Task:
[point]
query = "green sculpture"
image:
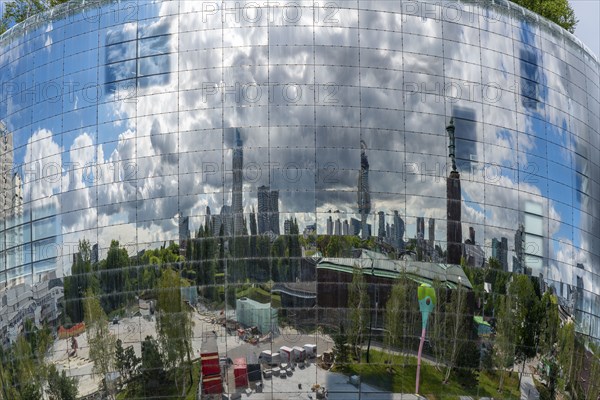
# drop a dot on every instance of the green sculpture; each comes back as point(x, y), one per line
point(426, 297)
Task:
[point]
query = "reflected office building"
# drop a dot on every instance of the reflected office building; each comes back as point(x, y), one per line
point(242, 146)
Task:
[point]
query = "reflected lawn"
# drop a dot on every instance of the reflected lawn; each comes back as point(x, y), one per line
point(397, 374)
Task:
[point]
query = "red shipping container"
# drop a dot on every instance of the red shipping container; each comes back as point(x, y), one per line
point(209, 357)
point(210, 364)
point(240, 372)
point(212, 384)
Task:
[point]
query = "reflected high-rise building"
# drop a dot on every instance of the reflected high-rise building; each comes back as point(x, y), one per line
point(518, 258)
point(398, 232)
point(431, 231)
point(473, 253)
point(15, 235)
point(237, 190)
point(330, 226)
point(264, 205)
point(94, 254)
point(465, 123)
point(381, 230)
point(364, 196)
point(500, 252)
point(274, 211)
point(337, 227)
point(533, 252)
point(287, 227)
point(222, 224)
point(453, 204)
point(11, 214)
point(420, 228)
point(355, 226)
point(268, 210)
point(6, 176)
point(207, 218)
point(184, 233)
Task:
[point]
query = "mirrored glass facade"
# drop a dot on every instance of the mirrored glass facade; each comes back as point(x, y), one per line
point(247, 146)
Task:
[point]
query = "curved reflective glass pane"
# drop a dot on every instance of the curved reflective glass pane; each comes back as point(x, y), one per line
point(216, 183)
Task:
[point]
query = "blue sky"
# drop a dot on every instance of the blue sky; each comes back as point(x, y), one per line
point(588, 29)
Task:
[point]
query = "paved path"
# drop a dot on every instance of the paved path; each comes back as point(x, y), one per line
point(337, 385)
point(528, 390)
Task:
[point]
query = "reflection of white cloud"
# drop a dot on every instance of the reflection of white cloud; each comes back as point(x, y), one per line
point(81, 154)
point(43, 165)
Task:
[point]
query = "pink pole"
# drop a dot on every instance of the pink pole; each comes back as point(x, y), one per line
point(419, 359)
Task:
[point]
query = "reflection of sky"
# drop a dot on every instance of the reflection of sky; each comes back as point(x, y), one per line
point(307, 149)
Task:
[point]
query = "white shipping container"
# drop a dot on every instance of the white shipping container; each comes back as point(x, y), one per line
point(265, 356)
point(299, 353)
point(311, 350)
point(275, 358)
point(285, 353)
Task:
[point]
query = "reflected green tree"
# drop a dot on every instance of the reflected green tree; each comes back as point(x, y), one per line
point(78, 283)
point(396, 315)
point(114, 276)
point(152, 367)
point(504, 345)
point(358, 304)
point(60, 386)
point(174, 327)
point(101, 343)
point(458, 322)
point(526, 318)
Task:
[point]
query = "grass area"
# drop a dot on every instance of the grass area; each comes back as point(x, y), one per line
point(261, 295)
point(166, 391)
point(399, 377)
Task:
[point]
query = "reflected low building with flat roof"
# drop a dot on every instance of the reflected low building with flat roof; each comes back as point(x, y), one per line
point(231, 142)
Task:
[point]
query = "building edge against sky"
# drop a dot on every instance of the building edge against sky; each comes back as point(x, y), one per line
point(146, 124)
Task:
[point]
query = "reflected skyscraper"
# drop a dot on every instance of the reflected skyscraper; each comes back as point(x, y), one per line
point(381, 230)
point(184, 233)
point(519, 250)
point(268, 210)
point(398, 232)
point(420, 228)
point(6, 165)
point(500, 251)
point(222, 224)
point(364, 197)
point(11, 214)
point(264, 205)
point(287, 227)
point(274, 211)
point(453, 204)
point(464, 120)
point(207, 218)
point(237, 190)
point(355, 226)
point(431, 232)
point(473, 253)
